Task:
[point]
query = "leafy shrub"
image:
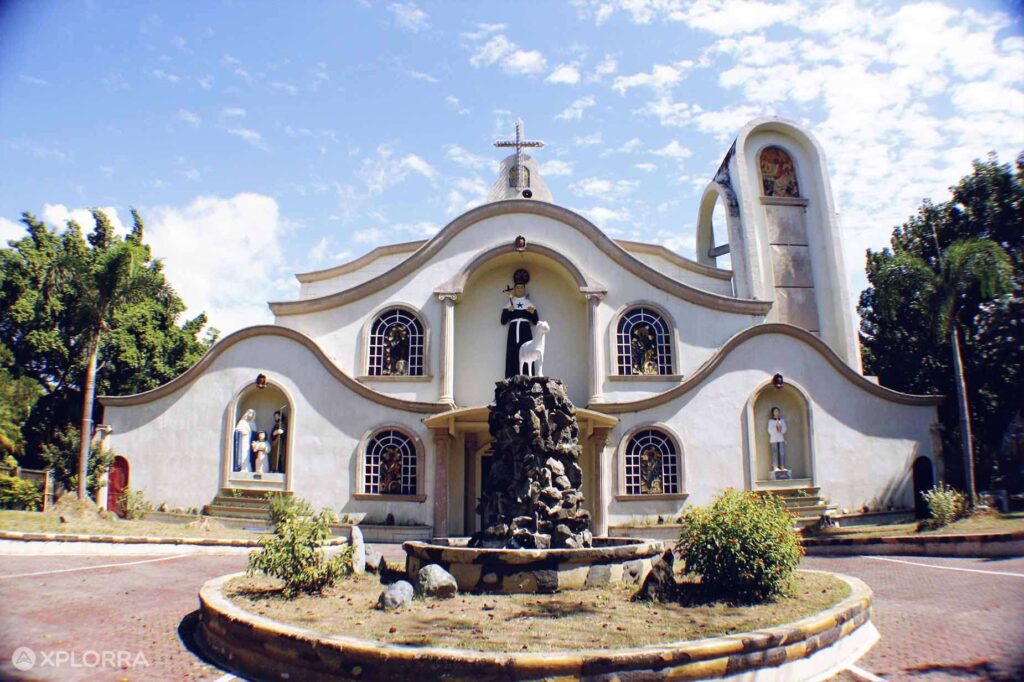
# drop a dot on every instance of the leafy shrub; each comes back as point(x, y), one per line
point(295, 553)
point(17, 493)
point(946, 504)
point(283, 506)
point(133, 504)
point(743, 546)
point(61, 457)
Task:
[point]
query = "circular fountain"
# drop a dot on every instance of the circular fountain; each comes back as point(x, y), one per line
point(536, 535)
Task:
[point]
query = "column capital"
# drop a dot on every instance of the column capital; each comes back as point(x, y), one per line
point(594, 293)
point(446, 296)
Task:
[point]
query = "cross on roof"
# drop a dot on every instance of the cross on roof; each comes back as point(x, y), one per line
point(519, 143)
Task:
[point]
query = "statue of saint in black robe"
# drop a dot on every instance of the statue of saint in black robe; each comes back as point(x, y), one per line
point(520, 315)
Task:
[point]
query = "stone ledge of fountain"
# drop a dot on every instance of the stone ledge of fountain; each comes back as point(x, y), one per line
point(516, 571)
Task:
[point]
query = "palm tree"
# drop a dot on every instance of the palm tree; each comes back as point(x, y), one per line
point(116, 273)
point(967, 268)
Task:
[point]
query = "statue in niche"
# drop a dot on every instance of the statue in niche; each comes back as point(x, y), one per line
point(278, 442)
point(650, 471)
point(778, 176)
point(390, 475)
point(519, 315)
point(243, 438)
point(777, 440)
point(260, 447)
point(643, 344)
point(396, 351)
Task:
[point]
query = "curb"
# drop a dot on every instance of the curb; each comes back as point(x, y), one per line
point(139, 539)
point(972, 545)
point(812, 647)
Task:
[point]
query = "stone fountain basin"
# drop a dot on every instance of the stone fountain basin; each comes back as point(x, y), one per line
point(516, 571)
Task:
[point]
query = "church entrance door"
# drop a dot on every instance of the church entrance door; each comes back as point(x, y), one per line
point(117, 481)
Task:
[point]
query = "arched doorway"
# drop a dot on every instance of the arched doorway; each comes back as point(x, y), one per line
point(271, 413)
point(924, 480)
point(795, 411)
point(117, 481)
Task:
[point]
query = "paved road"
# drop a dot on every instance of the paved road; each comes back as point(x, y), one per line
point(936, 623)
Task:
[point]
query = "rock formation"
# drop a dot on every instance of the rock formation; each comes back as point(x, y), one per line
point(531, 498)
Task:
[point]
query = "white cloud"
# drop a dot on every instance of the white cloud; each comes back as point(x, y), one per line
point(661, 77)
point(32, 80)
point(205, 82)
point(673, 150)
point(318, 252)
point(207, 249)
point(601, 188)
point(988, 97)
point(468, 159)
point(409, 17)
point(527, 62)
point(286, 87)
point(556, 167)
point(587, 140)
point(58, 215)
point(601, 214)
point(454, 102)
point(466, 193)
point(646, 167)
point(160, 74)
point(383, 171)
point(420, 76)
point(10, 230)
point(189, 117)
point(568, 74)
point(606, 67)
point(721, 17)
point(499, 49)
point(574, 111)
point(191, 174)
point(369, 235)
point(250, 137)
point(232, 112)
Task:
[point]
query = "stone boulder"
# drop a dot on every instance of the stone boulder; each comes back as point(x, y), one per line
point(373, 561)
point(395, 596)
point(660, 584)
point(435, 582)
point(358, 550)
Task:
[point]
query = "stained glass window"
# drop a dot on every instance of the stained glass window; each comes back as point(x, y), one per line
point(396, 344)
point(389, 467)
point(652, 464)
point(512, 177)
point(778, 176)
point(643, 343)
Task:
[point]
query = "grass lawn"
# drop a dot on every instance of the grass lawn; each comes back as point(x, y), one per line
point(46, 522)
point(980, 523)
point(603, 618)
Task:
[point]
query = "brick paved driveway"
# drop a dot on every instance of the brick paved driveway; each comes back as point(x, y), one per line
point(936, 624)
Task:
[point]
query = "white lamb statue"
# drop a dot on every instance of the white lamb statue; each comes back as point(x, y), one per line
point(532, 352)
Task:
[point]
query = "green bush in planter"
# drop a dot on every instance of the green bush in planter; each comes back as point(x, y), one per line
point(295, 553)
point(743, 546)
point(17, 493)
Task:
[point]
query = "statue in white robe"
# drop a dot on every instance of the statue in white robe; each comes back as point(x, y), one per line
point(243, 438)
point(260, 448)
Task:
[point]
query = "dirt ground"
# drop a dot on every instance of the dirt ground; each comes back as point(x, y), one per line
point(603, 618)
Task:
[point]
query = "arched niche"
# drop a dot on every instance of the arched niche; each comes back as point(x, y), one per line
point(713, 226)
point(796, 411)
point(480, 338)
point(264, 402)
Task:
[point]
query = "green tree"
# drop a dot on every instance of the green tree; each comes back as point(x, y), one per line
point(943, 310)
point(72, 306)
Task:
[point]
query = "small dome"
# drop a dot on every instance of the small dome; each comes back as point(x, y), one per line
point(505, 186)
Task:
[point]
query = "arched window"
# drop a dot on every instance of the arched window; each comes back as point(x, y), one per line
point(778, 176)
point(651, 464)
point(644, 343)
point(512, 177)
point(389, 464)
point(396, 344)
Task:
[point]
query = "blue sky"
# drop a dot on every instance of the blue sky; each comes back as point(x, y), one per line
point(308, 133)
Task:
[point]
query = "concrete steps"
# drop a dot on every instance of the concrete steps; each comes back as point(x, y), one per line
point(802, 500)
point(239, 503)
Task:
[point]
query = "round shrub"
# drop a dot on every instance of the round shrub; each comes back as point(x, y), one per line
point(16, 493)
point(743, 546)
point(946, 505)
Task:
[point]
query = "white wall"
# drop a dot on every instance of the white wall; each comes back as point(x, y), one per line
point(178, 452)
point(863, 445)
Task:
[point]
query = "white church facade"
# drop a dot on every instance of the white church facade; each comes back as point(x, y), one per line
point(381, 371)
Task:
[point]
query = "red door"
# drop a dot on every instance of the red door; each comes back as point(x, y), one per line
point(117, 481)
